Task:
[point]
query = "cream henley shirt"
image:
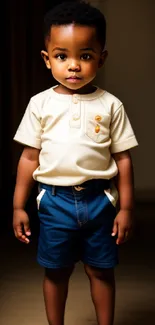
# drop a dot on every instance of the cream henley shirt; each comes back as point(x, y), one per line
point(76, 135)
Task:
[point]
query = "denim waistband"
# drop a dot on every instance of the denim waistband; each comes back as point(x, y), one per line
point(91, 185)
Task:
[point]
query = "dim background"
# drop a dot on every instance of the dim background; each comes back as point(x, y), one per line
point(129, 73)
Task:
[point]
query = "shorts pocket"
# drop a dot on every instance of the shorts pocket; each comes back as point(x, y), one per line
point(112, 196)
point(40, 197)
point(97, 127)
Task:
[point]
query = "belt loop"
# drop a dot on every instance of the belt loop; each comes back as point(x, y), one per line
point(53, 190)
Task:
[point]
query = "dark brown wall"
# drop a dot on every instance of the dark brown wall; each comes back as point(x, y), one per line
point(129, 73)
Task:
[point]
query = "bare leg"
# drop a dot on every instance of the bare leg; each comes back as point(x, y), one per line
point(102, 284)
point(55, 289)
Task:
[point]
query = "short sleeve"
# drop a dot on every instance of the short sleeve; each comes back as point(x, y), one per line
point(122, 135)
point(29, 131)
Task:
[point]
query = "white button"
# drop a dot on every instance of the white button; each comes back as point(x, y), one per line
point(76, 117)
point(75, 100)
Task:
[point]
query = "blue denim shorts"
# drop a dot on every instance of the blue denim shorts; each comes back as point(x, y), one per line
point(76, 224)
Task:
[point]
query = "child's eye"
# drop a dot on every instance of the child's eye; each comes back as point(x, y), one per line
point(61, 57)
point(86, 56)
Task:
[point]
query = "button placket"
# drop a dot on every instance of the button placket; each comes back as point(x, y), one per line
point(75, 118)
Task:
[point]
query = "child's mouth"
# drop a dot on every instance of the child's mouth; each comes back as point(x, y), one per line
point(73, 79)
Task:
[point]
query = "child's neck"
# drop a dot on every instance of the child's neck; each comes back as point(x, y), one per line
point(88, 89)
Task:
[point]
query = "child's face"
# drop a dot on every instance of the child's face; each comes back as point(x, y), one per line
point(74, 55)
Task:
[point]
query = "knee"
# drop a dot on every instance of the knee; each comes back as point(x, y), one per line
point(58, 275)
point(106, 275)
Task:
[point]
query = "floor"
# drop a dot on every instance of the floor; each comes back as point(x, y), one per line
point(21, 301)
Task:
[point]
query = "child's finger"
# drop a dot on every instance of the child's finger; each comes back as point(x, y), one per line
point(19, 231)
point(19, 234)
point(121, 236)
point(127, 235)
point(24, 239)
point(115, 229)
point(27, 229)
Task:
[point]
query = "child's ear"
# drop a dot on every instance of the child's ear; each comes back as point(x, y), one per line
point(103, 57)
point(45, 57)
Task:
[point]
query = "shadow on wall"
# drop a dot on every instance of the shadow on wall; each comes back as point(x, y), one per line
point(138, 317)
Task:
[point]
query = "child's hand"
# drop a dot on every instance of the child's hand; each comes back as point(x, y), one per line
point(123, 225)
point(21, 225)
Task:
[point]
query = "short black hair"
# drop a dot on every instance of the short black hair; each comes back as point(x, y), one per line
point(76, 12)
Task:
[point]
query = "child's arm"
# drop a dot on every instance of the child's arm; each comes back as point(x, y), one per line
point(123, 222)
point(28, 162)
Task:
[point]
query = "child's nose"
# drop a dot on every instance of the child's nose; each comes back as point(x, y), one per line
point(74, 66)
